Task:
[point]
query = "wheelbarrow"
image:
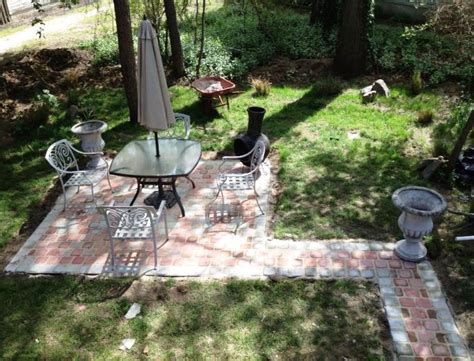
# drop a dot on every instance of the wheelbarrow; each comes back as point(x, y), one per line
point(212, 88)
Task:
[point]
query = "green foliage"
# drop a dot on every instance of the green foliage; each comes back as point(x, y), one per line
point(104, 50)
point(46, 99)
point(217, 59)
point(446, 133)
point(416, 82)
point(437, 57)
point(72, 97)
point(237, 43)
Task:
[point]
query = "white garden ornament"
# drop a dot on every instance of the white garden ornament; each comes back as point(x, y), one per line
point(419, 205)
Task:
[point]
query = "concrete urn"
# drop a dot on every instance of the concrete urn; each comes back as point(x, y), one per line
point(418, 205)
point(90, 133)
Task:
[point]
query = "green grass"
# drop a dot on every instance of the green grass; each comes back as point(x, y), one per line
point(68, 318)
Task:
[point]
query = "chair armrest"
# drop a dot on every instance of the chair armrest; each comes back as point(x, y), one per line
point(72, 171)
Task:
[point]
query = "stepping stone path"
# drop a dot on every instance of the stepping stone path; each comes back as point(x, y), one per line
point(75, 241)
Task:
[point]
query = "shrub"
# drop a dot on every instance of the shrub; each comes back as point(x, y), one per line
point(72, 97)
point(104, 50)
point(261, 85)
point(416, 82)
point(46, 99)
point(437, 57)
point(446, 133)
point(425, 117)
point(217, 60)
point(326, 87)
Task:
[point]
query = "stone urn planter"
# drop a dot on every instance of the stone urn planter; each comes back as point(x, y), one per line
point(418, 205)
point(90, 133)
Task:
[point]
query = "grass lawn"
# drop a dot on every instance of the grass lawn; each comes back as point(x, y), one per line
point(71, 318)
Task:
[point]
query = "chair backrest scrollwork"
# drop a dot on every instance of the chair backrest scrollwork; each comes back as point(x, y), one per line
point(61, 156)
point(129, 222)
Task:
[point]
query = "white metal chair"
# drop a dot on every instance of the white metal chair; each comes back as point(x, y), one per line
point(61, 156)
point(179, 132)
point(180, 129)
point(134, 223)
point(244, 180)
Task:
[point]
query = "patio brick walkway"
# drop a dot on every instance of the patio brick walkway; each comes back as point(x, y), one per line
point(75, 241)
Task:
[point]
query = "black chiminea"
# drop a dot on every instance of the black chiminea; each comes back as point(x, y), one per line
point(245, 142)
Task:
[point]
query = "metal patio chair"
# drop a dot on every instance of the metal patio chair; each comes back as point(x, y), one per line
point(61, 156)
point(244, 180)
point(179, 132)
point(134, 223)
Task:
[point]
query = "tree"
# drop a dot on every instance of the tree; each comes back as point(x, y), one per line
point(201, 50)
point(127, 55)
point(4, 12)
point(175, 41)
point(315, 11)
point(353, 41)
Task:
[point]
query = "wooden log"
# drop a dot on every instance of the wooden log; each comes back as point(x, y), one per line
point(460, 142)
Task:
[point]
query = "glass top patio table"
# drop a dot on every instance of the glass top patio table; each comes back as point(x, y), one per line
point(178, 158)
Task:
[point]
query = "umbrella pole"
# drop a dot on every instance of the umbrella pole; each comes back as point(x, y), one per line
point(157, 147)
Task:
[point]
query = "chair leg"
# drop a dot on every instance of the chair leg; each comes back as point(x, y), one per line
point(256, 198)
point(64, 194)
point(112, 253)
point(108, 180)
point(93, 195)
point(192, 182)
point(155, 253)
point(78, 189)
point(166, 223)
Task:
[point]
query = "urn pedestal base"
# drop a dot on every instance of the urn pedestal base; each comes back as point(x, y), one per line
point(410, 251)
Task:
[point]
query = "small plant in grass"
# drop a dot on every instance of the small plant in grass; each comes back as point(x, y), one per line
point(416, 82)
point(327, 87)
point(86, 114)
point(261, 85)
point(425, 117)
point(72, 97)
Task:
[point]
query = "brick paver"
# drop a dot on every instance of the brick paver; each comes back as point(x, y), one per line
point(75, 241)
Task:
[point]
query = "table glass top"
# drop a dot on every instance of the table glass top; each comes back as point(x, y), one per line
point(178, 157)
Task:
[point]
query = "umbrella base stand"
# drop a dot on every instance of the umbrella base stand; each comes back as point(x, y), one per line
point(171, 196)
point(155, 199)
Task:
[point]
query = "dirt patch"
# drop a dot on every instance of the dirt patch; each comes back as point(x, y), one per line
point(26, 74)
point(293, 72)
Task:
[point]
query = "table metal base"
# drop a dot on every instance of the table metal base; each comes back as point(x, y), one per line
point(162, 194)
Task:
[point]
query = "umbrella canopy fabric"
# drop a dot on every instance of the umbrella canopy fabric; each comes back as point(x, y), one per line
point(154, 106)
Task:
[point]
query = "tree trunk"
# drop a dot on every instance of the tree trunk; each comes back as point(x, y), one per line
point(175, 41)
point(315, 16)
point(127, 56)
point(351, 52)
point(4, 12)
point(201, 50)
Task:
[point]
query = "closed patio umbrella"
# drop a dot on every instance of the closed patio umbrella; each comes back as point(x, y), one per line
point(154, 106)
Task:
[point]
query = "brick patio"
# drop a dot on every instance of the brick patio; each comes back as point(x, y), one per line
point(75, 241)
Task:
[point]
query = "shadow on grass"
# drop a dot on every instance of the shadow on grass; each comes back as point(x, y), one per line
point(280, 124)
point(38, 322)
point(288, 320)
